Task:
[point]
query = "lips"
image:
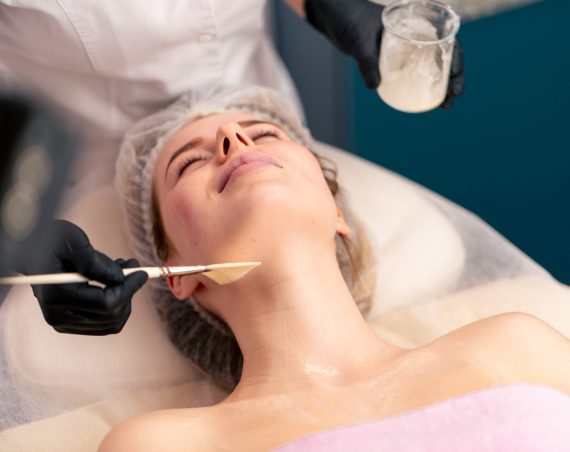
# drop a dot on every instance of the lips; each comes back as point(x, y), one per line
point(243, 159)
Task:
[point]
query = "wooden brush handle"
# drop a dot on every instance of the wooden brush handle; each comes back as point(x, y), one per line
point(67, 278)
point(56, 278)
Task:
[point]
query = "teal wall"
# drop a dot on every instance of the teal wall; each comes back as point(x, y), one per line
point(503, 150)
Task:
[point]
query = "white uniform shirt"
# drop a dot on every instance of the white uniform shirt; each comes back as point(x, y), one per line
point(112, 62)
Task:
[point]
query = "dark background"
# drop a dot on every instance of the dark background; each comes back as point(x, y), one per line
point(502, 151)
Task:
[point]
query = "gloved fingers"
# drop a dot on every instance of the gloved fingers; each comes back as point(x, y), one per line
point(97, 300)
point(455, 87)
point(64, 316)
point(456, 75)
point(447, 103)
point(74, 249)
point(88, 298)
point(89, 331)
point(129, 263)
point(77, 296)
point(354, 27)
point(81, 317)
point(98, 266)
point(74, 322)
point(132, 283)
point(370, 72)
point(110, 328)
point(367, 54)
point(456, 59)
point(116, 296)
point(456, 84)
point(91, 299)
point(68, 236)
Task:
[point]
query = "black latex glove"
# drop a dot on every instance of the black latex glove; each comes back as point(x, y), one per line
point(355, 28)
point(82, 308)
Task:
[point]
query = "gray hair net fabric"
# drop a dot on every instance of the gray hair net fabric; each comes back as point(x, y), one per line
point(199, 335)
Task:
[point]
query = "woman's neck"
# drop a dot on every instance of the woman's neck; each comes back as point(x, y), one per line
point(298, 325)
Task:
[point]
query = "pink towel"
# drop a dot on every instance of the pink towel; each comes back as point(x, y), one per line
point(511, 418)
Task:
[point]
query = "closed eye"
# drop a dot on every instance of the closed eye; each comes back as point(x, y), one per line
point(184, 164)
point(264, 133)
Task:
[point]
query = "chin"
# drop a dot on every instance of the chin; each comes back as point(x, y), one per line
point(263, 194)
point(272, 204)
point(278, 211)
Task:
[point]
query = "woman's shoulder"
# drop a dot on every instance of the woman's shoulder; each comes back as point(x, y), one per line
point(508, 325)
point(522, 345)
point(504, 323)
point(513, 327)
point(161, 430)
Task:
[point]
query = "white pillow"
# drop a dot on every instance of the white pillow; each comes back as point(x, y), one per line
point(420, 254)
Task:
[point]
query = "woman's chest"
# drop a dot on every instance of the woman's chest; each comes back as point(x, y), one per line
point(414, 384)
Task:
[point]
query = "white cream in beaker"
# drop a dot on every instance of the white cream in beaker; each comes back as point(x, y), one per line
point(415, 55)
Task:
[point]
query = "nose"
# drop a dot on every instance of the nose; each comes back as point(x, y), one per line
point(231, 138)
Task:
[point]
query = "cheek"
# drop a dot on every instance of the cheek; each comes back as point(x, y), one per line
point(183, 216)
point(312, 193)
point(314, 173)
point(181, 212)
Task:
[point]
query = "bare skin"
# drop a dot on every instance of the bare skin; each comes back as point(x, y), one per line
point(456, 364)
point(310, 360)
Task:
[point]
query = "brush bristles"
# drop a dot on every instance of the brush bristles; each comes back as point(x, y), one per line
point(228, 273)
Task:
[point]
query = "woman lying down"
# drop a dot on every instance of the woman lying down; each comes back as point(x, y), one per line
point(230, 177)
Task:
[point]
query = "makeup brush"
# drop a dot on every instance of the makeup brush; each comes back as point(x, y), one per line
point(220, 273)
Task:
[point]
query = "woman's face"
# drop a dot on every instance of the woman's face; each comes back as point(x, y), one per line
point(230, 187)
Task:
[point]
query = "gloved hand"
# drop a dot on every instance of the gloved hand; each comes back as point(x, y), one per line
point(355, 28)
point(82, 308)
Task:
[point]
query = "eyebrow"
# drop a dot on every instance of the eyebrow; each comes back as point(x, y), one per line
point(197, 141)
point(186, 147)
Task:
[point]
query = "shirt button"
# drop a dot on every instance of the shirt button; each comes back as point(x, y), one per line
point(204, 38)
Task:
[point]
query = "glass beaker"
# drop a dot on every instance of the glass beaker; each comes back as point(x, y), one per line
point(415, 54)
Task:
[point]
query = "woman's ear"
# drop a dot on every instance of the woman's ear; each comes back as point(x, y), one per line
point(342, 227)
point(182, 286)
